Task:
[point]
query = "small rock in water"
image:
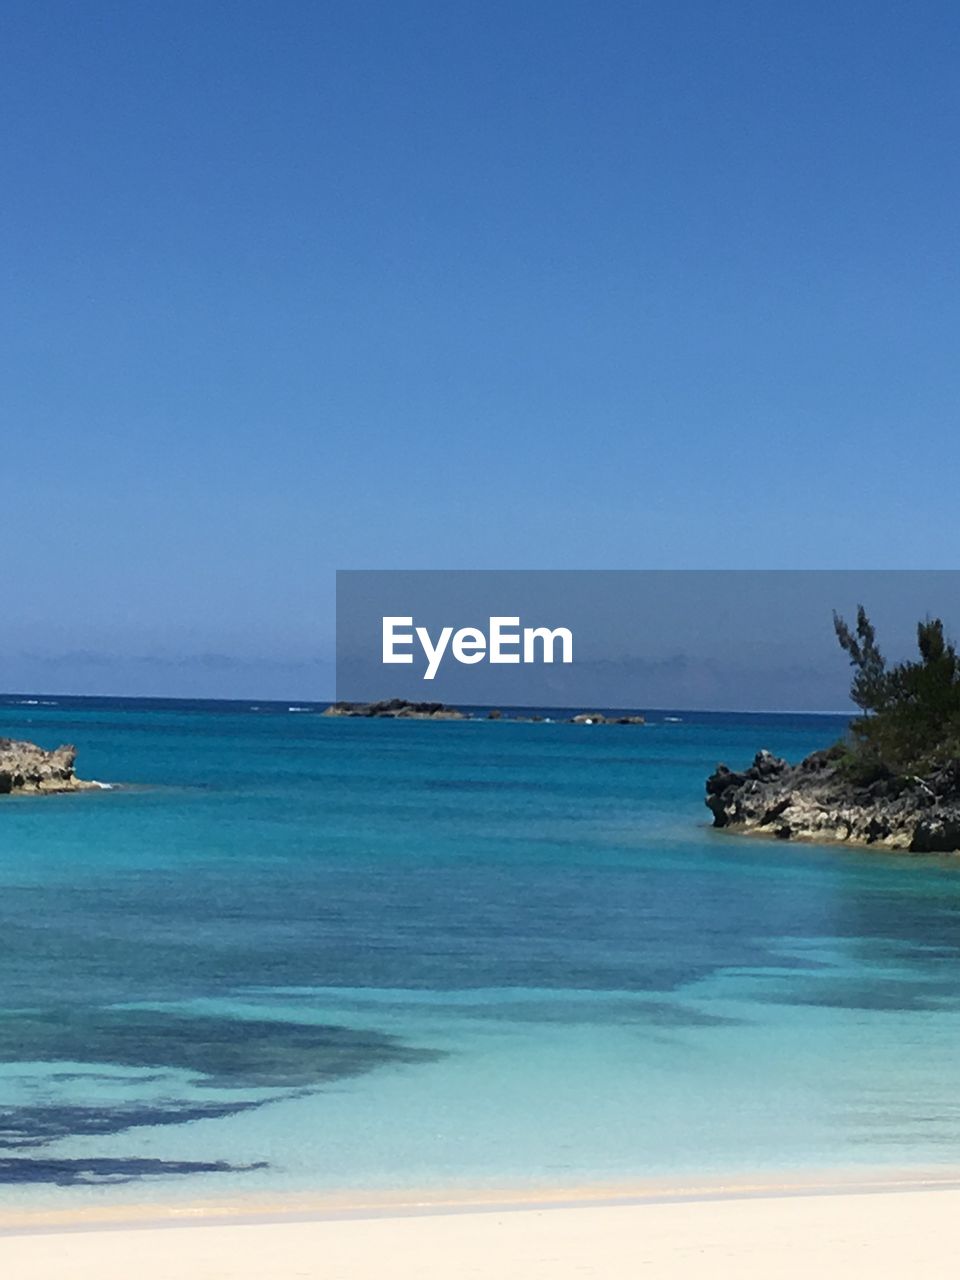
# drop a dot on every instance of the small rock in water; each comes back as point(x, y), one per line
point(25, 767)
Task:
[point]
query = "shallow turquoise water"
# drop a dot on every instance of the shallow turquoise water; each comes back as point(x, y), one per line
point(300, 953)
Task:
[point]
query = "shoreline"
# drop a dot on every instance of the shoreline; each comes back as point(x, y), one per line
point(741, 830)
point(355, 1204)
point(887, 1234)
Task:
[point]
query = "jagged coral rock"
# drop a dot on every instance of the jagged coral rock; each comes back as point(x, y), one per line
point(818, 800)
point(25, 767)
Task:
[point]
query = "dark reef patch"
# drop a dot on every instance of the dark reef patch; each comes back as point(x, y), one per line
point(637, 1013)
point(270, 1059)
point(227, 1052)
point(881, 993)
point(25, 1127)
point(99, 1170)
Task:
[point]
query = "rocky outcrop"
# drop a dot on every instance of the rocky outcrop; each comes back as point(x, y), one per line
point(25, 767)
point(817, 800)
point(401, 709)
point(396, 709)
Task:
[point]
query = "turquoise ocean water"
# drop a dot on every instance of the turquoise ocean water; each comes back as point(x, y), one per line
point(294, 954)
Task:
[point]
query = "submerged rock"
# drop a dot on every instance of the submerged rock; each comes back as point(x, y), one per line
point(25, 767)
point(819, 800)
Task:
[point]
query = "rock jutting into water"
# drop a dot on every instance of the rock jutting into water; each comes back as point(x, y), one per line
point(819, 800)
point(25, 768)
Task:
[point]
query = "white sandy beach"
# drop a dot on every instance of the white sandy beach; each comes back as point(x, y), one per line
point(886, 1235)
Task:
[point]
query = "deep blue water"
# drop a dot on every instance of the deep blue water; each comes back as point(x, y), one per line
point(298, 952)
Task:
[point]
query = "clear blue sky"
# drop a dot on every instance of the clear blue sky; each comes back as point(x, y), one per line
point(286, 287)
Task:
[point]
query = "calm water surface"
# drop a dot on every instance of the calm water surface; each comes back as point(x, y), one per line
point(297, 953)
